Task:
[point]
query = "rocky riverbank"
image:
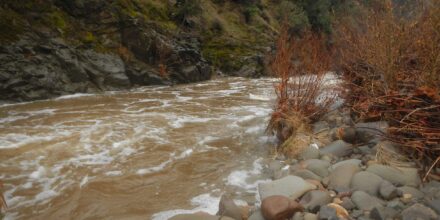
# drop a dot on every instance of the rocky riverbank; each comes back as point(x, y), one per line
point(341, 175)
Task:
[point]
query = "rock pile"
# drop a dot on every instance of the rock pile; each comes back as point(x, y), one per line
point(343, 181)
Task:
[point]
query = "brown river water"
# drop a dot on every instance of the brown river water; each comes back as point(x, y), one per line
point(148, 153)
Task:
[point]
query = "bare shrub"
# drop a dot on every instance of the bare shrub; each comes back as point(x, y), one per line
point(300, 63)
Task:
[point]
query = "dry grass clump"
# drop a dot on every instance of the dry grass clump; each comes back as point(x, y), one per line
point(300, 63)
point(392, 62)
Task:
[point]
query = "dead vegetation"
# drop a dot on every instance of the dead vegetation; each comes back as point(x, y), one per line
point(300, 63)
point(392, 65)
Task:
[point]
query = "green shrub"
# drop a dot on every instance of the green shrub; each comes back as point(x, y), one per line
point(293, 15)
point(11, 25)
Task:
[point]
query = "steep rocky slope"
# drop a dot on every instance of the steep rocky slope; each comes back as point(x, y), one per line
point(55, 47)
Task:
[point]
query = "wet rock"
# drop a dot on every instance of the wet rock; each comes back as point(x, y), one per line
point(387, 190)
point(279, 207)
point(306, 174)
point(397, 176)
point(227, 207)
point(310, 152)
point(418, 211)
point(256, 215)
point(319, 167)
point(416, 194)
point(289, 186)
point(327, 213)
point(342, 175)
point(198, 216)
point(349, 161)
point(364, 201)
point(338, 148)
point(382, 213)
point(314, 199)
point(367, 182)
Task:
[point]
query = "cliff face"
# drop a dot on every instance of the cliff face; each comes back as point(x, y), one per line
point(55, 47)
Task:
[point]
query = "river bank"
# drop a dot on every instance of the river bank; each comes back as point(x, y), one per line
point(341, 173)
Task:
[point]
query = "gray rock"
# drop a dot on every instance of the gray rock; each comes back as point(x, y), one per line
point(396, 204)
point(387, 190)
point(298, 216)
point(367, 182)
point(309, 152)
point(347, 203)
point(416, 194)
point(338, 148)
point(256, 215)
point(356, 213)
point(320, 126)
point(227, 207)
point(431, 189)
point(198, 216)
point(310, 216)
point(306, 174)
point(327, 213)
point(434, 204)
point(314, 199)
point(319, 167)
point(342, 175)
point(418, 211)
point(349, 161)
point(370, 131)
point(364, 201)
point(289, 186)
point(398, 176)
point(382, 213)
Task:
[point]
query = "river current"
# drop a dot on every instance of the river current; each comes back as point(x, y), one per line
point(148, 153)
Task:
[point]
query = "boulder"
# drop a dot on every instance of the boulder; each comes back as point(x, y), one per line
point(341, 177)
point(306, 174)
point(416, 194)
point(397, 176)
point(364, 201)
point(310, 216)
point(370, 131)
point(279, 207)
point(289, 186)
point(338, 148)
point(256, 215)
point(310, 152)
point(367, 182)
point(314, 199)
point(319, 167)
point(434, 204)
point(387, 190)
point(349, 161)
point(383, 213)
point(327, 213)
point(418, 211)
point(227, 207)
point(198, 216)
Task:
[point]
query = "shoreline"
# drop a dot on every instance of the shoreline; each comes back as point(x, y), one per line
point(345, 178)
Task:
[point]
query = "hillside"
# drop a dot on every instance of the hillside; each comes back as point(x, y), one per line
point(51, 48)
